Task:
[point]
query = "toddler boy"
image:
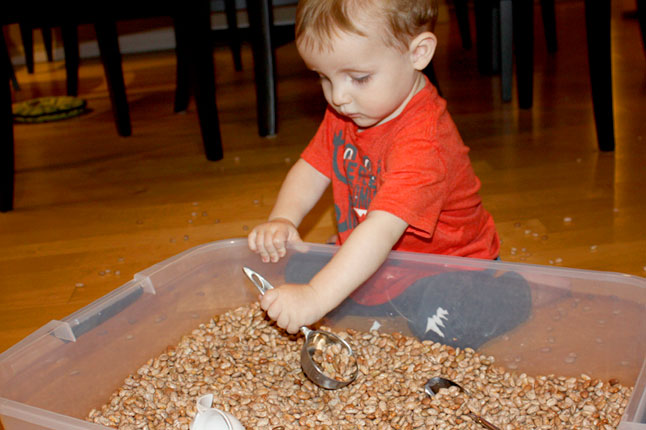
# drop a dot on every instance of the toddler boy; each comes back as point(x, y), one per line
point(400, 173)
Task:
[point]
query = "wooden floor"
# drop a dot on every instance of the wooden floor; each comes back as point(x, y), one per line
point(92, 209)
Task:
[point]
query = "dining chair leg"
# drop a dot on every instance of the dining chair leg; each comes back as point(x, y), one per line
point(108, 39)
point(523, 29)
point(597, 23)
point(484, 35)
point(46, 31)
point(462, 15)
point(506, 49)
point(194, 24)
point(641, 16)
point(69, 33)
point(182, 69)
point(6, 135)
point(260, 23)
point(232, 33)
point(548, 14)
point(495, 37)
point(27, 36)
point(5, 62)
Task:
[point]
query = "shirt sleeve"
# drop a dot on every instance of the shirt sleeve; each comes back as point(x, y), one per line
point(319, 151)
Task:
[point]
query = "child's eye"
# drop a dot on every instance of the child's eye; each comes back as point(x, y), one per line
point(360, 79)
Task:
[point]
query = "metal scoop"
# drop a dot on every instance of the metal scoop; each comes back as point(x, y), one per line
point(436, 384)
point(314, 340)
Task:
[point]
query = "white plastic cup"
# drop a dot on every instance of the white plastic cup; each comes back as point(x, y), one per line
point(208, 418)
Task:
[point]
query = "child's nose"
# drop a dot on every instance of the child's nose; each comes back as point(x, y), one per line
point(340, 96)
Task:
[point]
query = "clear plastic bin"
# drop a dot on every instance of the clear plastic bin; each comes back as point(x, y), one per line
point(580, 322)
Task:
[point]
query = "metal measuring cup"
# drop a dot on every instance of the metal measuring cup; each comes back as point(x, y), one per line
point(314, 340)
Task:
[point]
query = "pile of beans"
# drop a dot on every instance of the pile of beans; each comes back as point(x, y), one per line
point(253, 370)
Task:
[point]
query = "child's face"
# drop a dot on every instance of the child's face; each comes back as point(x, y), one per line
point(363, 78)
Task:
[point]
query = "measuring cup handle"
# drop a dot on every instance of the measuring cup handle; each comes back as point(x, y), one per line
point(306, 331)
point(258, 280)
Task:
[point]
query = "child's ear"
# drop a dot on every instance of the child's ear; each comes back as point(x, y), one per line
point(422, 48)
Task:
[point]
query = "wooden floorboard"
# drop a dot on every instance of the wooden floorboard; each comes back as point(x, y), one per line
point(92, 209)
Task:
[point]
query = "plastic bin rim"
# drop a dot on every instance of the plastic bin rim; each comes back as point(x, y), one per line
point(448, 260)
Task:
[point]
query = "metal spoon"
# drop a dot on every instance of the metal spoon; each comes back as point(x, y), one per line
point(436, 383)
point(314, 339)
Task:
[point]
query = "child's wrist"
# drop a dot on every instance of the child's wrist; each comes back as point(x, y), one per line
point(324, 298)
point(283, 220)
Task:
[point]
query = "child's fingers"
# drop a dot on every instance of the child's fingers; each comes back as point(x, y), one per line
point(270, 244)
point(283, 321)
point(268, 299)
point(251, 240)
point(292, 328)
point(280, 250)
point(259, 245)
point(280, 242)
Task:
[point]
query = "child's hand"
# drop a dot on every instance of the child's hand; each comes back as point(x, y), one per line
point(293, 306)
point(269, 239)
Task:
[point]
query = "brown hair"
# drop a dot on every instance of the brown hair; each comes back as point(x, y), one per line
point(319, 21)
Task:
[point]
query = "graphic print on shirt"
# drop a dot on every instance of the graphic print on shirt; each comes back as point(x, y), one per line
point(357, 172)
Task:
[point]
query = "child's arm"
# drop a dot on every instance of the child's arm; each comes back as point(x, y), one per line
point(295, 305)
point(300, 191)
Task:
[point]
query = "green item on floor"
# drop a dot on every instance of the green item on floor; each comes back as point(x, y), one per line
point(45, 109)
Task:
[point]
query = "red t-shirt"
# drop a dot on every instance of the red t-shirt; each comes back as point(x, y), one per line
point(415, 167)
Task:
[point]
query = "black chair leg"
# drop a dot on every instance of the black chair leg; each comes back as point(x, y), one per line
point(182, 73)
point(6, 133)
point(462, 15)
point(46, 31)
point(193, 30)
point(5, 62)
point(26, 33)
point(641, 15)
point(523, 13)
point(72, 57)
point(506, 49)
point(549, 24)
point(484, 35)
point(232, 33)
point(260, 23)
point(495, 37)
point(106, 34)
point(597, 22)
